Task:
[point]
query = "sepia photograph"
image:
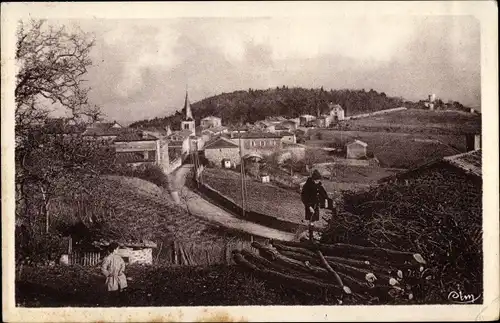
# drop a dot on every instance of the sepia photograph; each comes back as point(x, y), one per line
point(244, 156)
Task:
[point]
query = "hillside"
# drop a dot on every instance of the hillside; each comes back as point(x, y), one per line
point(254, 105)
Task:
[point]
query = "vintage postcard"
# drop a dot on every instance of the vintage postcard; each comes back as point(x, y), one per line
point(250, 161)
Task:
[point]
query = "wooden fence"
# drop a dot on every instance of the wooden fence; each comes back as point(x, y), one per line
point(175, 254)
point(196, 254)
point(85, 258)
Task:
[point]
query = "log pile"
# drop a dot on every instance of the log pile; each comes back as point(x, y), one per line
point(351, 273)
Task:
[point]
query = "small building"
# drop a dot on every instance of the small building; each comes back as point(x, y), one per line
point(226, 163)
point(473, 141)
point(92, 253)
point(288, 138)
point(221, 150)
point(323, 121)
point(266, 126)
point(180, 139)
point(290, 125)
point(337, 113)
point(264, 178)
point(211, 122)
point(134, 252)
point(305, 119)
point(105, 134)
point(138, 148)
point(356, 149)
point(262, 143)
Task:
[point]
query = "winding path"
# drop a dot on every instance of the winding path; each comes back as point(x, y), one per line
point(200, 207)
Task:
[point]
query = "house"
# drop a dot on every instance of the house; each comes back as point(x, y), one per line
point(266, 126)
point(105, 133)
point(356, 149)
point(275, 119)
point(221, 151)
point(181, 140)
point(260, 143)
point(337, 113)
point(139, 148)
point(211, 122)
point(106, 125)
point(323, 121)
point(214, 131)
point(288, 138)
point(305, 119)
point(290, 125)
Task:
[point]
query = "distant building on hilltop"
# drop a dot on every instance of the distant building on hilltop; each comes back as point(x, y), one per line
point(336, 113)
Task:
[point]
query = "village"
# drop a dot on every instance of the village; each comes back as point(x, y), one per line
point(180, 187)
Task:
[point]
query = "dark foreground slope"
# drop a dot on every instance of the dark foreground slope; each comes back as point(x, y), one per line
point(154, 286)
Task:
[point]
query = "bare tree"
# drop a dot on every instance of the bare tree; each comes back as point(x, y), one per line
point(52, 62)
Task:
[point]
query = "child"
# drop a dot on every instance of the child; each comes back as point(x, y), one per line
point(113, 268)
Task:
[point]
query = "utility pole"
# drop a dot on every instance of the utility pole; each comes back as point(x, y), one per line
point(242, 174)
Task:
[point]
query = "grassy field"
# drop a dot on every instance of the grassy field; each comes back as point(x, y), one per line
point(394, 150)
point(414, 120)
point(262, 198)
point(142, 207)
point(153, 286)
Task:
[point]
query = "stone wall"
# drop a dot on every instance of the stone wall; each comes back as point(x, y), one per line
point(137, 256)
point(216, 155)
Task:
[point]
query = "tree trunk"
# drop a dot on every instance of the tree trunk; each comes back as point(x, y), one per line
point(45, 208)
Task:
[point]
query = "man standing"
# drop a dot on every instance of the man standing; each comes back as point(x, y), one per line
point(313, 196)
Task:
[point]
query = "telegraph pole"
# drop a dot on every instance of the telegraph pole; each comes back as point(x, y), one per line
point(242, 176)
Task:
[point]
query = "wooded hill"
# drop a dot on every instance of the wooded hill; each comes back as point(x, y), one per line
point(253, 105)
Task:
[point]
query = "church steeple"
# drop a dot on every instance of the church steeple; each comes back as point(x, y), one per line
point(187, 108)
point(188, 123)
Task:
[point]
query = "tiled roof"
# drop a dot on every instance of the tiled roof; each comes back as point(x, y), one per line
point(93, 131)
point(288, 145)
point(469, 162)
point(221, 143)
point(135, 136)
point(287, 134)
point(211, 118)
point(175, 143)
point(359, 142)
point(181, 133)
point(256, 135)
point(135, 157)
point(215, 129)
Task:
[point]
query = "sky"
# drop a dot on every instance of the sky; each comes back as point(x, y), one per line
point(143, 67)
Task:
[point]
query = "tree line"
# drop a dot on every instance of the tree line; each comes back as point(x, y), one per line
point(240, 107)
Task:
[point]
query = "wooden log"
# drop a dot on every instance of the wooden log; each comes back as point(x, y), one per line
point(274, 255)
point(275, 276)
point(278, 266)
point(310, 256)
point(341, 264)
point(359, 252)
point(330, 269)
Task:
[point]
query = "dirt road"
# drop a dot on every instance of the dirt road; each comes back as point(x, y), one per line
point(206, 210)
